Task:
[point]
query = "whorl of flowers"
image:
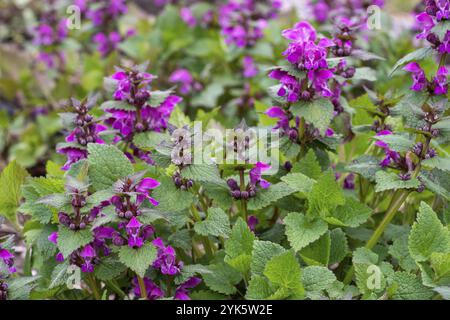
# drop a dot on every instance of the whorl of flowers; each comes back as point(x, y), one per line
point(334, 10)
point(6, 268)
point(436, 13)
point(103, 15)
point(243, 22)
point(307, 54)
point(132, 86)
point(80, 217)
point(48, 35)
point(85, 130)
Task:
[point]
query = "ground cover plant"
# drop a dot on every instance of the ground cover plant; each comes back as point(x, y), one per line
point(224, 150)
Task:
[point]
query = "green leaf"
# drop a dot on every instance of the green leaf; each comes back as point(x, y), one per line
point(365, 73)
point(298, 182)
point(202, 173)
point(391, 181)
point(138, 260)
point(428, 235)
point(316, 280)
point(437, 181)
point(318, 113)
point(59, 275)
point(309, 166)
point(339, 246)
point(107, 164)
point(325, 195)
point(318, 252)
point(410, 108)
point(438, 163)
point(265, 197)
point(20, 288)
point(301, 231)
point(69, 241)
point(284, 270)
point(117, 105)
point(170, 197)
point(11, 180)
point(399, 251)
point(216, 224)
point(158, 97)
point(352, 214)
point(366, 166)
point(410, 287)
point(259, 288)
point(366, 271)
point(222, 278)
point(417, 55)
point(396, 142)
point(440, 263)
point(263, 251)
point(108, 269)
point(239, 246)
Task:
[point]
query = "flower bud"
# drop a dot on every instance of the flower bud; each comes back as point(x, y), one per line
point(232, 184)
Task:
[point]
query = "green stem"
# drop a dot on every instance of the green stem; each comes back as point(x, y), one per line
point(243, 201)
point(94, 288)
point(397, 201)
point(142, 287)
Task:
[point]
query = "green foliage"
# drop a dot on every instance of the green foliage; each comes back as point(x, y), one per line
point(107, 164)
point(11, 180)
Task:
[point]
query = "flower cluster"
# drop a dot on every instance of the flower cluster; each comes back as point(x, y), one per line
point(436, 12)
point(255, 181)
point(133, 87)
point(103, 14)
point(405, 164)
point(243, 22)
point(167, 264)
point(7, 258)
point(89, 255)
point(185, 80)
point(307, 55)
point(48, 35)
point(437, 86)
point(86, 131)
point(326, 10)
point(188, 16)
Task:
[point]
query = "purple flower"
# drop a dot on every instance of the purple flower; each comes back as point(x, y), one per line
point(252, 222)
point(256, 173)
point(107, 44)
point(88, 254)
point(184, 77)
point(8, 259)
point(290, 86)
point(133, 229)
point(390, 155)
point(143, 189)
point(418, 75)
point(44, 35)
point(425, 22)
point(321, 11)
point(181, 293)
point(444, 47)
point(73, 156)
point(153, 291)
point(280, 114)
point(166, 260)
point(440, 81)
point(250, 69)
point(188, 17)
point(243, 22)
point(53, 237)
